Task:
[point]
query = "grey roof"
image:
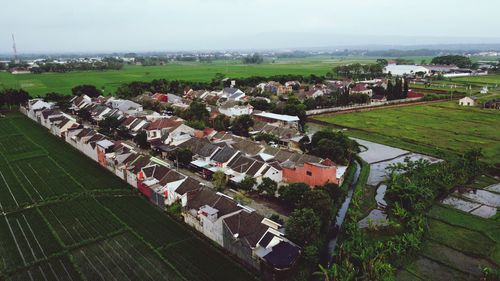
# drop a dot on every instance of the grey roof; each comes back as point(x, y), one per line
point(257, 165)
point(241, 163)
point(225, 154)
point(230, 91)
point(236, 95)
point(208, 150)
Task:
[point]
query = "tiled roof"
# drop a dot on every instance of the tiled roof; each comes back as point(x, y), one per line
point(188, 185)
point(248, 147)
point(206, 196)
point(241, 163)
point(248, 226)
point(208, 150)
point(172, 176)
point(257, 165)
point(283, 255)
point(225, 154)
point(163, 123)
point(194, 144)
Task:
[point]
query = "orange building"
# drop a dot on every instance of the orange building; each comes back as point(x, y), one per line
point(312, 174)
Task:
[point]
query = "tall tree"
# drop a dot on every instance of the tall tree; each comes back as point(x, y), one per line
point(390, 90)
point(141, 139)
point(219, 180)
point(320, 202)
point(89, 90)
point(241, 125)
point(222, 122)
point(405, 88)
point(292, 194)
point(303, 226)
point(268, 186)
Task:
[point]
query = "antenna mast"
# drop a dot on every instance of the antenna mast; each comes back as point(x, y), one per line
point(14, 47)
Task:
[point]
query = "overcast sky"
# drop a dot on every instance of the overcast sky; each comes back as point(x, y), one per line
point(167, 25)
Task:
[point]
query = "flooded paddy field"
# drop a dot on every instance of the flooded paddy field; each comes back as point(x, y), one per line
point(380, 157)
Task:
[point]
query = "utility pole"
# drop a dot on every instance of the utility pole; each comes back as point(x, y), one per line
point(14, 48)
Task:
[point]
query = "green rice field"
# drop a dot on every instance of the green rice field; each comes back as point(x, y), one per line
point(62, 217)
point(108, 81)
point(436, 128)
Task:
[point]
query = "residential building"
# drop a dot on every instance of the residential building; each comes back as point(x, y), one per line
point(467, 101)
point(313, 174)
point(233, 109)
point(277, 119)
point(362, 88)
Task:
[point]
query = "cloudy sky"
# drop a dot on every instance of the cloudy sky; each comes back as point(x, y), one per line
point(168, 25)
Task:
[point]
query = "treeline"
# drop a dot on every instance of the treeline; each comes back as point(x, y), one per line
point(332, 145)
point(397, 91)
point(136, 88)
point(412, 188)
point(13, 97)
point(104, 64)
point(361, 71)
point(253, 59)
point(151, 61)
point(460, 61)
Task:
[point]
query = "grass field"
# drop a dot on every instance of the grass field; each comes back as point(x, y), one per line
point(64, 218)
point(40, 84)
point(433, 128)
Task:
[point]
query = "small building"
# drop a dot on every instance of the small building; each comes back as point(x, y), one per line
point(313, 174)
point(278, 119)
point(362, 88)
point(467, 101)
point(401, 69)
point(232, 109)
point(233, 94)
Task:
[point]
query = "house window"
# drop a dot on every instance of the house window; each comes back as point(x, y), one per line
point(309, 173)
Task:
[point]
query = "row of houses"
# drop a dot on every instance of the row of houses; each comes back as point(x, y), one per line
point(257, 241)
point(239, 157)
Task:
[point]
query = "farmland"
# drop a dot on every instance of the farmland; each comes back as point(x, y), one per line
point(64, 218)
point(108, 81)
point(456, 247)
point(437, 129)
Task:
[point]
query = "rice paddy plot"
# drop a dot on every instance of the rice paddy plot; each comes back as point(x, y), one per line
point(79, 220)
point(151, 224)
point(87, 172)
point(57, 269)
point(121, 258)
point(6, 128)
point(44, 179)
point(12, 194)
point(25, 238)
point(198, 263)
point(439, 127)
point(108, 235)
point(18, 147)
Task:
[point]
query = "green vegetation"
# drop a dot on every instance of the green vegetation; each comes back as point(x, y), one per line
point(109, 81)
point(63, 215)
point(412, 188)
point(457, 244)
point(460, 61)
point(438, 129)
